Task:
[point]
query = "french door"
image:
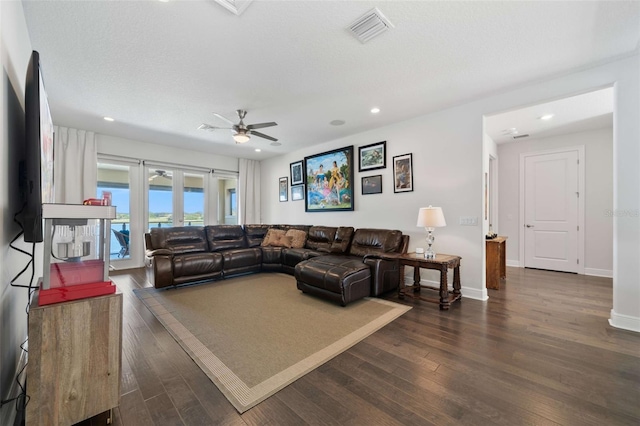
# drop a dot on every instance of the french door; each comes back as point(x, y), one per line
point(121, 177)
point(176, 196)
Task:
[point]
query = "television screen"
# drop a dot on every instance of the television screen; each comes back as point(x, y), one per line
point(38, 163)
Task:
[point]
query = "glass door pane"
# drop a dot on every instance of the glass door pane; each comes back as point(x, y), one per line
point(114, 178)
point(227, 201)
point(194, 200)
point(160, 197)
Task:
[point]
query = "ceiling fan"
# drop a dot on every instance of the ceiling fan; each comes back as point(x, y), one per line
point(160, 173)
point(242, 132)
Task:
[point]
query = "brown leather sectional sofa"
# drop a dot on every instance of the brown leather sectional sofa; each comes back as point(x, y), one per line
point(338, 263)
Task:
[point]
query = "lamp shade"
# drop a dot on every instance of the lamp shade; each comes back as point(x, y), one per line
point(431, 217)
point(241, 137)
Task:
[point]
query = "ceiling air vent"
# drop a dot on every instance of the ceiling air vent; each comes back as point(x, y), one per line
point(521, 136)
point(370, 25)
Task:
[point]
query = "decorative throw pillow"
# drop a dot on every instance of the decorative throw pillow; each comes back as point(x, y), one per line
point(273, 235)
point(282, 241)
point(298, 237)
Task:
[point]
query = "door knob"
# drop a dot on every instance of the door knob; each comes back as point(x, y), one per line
point(529, 226)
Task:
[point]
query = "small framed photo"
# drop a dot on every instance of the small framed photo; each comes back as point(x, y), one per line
point(403, 173)
point(297, 177)
point(372, 185)
point(372, 157)
point(284, 188)
point(297, 192)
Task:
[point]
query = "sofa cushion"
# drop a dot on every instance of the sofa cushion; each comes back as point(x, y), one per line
point(182, 239)
point(225, 237)
point(271, 255)
point(370, 241)
point(320, 238)
point(196, 264)
point(342, 241)
point(255, 234)
point(298, 238)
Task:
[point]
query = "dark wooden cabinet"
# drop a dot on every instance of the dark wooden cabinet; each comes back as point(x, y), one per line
point(496, 262)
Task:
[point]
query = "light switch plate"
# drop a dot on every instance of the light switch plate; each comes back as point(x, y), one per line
point(468, 221)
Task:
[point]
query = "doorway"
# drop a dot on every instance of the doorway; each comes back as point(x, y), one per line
point(584, 120)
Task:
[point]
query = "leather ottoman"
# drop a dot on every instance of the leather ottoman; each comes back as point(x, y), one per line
point(341, 279)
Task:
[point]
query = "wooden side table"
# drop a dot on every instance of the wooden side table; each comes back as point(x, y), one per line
point(441, 263)
point(496, 262)
point(75, 359)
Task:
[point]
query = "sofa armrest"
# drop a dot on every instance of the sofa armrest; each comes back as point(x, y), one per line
point(158, 252)
point(385, 272)
point(382, 256)
point(161, 271)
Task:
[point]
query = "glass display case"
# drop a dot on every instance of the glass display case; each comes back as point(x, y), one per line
point(76, 252)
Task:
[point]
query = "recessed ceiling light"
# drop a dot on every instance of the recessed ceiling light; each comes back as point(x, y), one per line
point(258, 150)
point(337, 122)
point(375, 110)
point(108, 119)
point(164, 1)
point(511, 131)
point(546, 117)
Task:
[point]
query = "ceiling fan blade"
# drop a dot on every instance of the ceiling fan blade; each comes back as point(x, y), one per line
point(223, 118)
point(261, 125)
point(262, 135)
point(209, 127)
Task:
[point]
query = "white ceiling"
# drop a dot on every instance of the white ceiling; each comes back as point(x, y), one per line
point(588, 111)
point(160, 69)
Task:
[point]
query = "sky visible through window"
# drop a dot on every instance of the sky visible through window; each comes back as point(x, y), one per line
point(161, 201)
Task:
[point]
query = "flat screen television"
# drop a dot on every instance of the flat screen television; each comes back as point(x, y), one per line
point(38, 151)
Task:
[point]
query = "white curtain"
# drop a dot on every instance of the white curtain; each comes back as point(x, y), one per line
point(249, 192)
point(75, 165)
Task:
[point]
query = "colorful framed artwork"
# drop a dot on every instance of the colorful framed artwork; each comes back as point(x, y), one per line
point(372, 157)
point(297, 192)
point(329, 178)
point(372, 185)
point(297, 177)
point(283, 187)
point(403, 173)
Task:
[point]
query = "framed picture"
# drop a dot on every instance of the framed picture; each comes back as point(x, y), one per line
point(403, 173)
point(329, 179)
point(297, 178)
point(297, 192)
point(372, 157)
point(283, 188)
point(372, 185)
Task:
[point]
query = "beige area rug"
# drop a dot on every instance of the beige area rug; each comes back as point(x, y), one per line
point(256, 334)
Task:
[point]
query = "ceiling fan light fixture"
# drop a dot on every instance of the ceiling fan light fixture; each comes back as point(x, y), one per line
point(241, 137)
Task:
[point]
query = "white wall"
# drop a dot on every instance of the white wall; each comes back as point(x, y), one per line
point(448, 170)
point(15, 49)
point(598, 193)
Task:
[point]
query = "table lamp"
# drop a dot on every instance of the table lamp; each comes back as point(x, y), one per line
point(430, 218)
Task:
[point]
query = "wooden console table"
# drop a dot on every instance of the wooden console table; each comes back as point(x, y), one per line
point(442, 263)
point(496, 262)
point(75, 356)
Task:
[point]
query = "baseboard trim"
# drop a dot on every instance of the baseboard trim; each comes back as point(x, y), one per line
point(8, 412)
point(474, 293)
point(513, 263)
point(607, 273)
point(625, 322)
point(467, 292)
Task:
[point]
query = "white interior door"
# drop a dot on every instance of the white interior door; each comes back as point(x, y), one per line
point(551, 211)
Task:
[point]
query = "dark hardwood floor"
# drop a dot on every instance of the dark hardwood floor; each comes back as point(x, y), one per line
point(540, 351)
